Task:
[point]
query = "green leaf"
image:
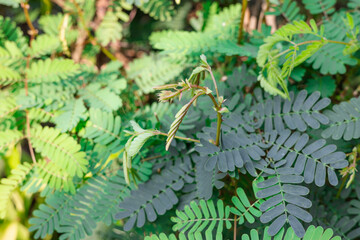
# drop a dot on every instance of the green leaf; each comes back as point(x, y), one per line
point(197, 217)
point(70, 115)
point(97, 97)
point(154, 70)
point(138, 142)
point(298, 73)
point(44, 45)
point(104, 128)
point(325, 85)
point(243, 208)
point(60, 148)
point(109, 29)
point(162, 10)
point(51, 70)
point(7, 185)
point(312, 233)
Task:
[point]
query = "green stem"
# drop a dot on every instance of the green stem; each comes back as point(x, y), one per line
point(182, 138)
point(241, 28)
point(32, 32)
point(342, 186)
point(91, 37)
point(215, 85)
point(218, 129)
point(307, 42)
point(235, 224)
point(338, 42)
point(218, 107)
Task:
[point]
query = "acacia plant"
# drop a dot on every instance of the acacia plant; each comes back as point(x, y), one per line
point(112, 128)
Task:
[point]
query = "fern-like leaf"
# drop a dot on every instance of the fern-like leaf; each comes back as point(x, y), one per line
point(162, 10)
point(70, 115)
point(312, 233)
point(97, 97)
point(153, 70)
point(313, 160)
point(297, 113)
point(319, 6)
point(243, 208)
point(55, 177)
point(10, 58)
point(344, 121)
point(9, 138)
point(60, 148)
point(156, 194)
point(52, 23)
point(225, 23)
point(10, 32)
point(74, 215)
point(109, 29)
point(7, 185)
point(44, 45)
point(104, 128)
point(289, 10)
point(221, 28)
point(236, 151)
point(271, 76)
point(196, 217)
point(51, 70)
point(284, 201)
point(8, 106)
point(330, 59)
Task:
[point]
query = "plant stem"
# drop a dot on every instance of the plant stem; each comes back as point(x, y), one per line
point(218, 107)
point(107, 53)
point(28, 136)
point(338, 42)
point(182, 138)
point(32, 32)
point(235, 224)
point(307, 42)
point(91, 37)
point(218, 129)
point(215, 85)
point(342, 186)
point(241, 28)
point(151, 158)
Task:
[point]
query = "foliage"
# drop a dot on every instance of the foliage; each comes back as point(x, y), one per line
point(175, 120)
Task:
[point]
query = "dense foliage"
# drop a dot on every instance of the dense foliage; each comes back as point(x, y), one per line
point(167, 119)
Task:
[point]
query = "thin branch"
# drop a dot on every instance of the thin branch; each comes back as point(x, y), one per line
point(32, 32)
point(218, 128)
point(241, 28)
point(324, 11)
point(182, 138)
point(28, 136)
point(338, 42)
point(235, 224)
point(91, 37)
point(218, 107)
point(151, 158)
point(215, 85)
point(307, 42)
